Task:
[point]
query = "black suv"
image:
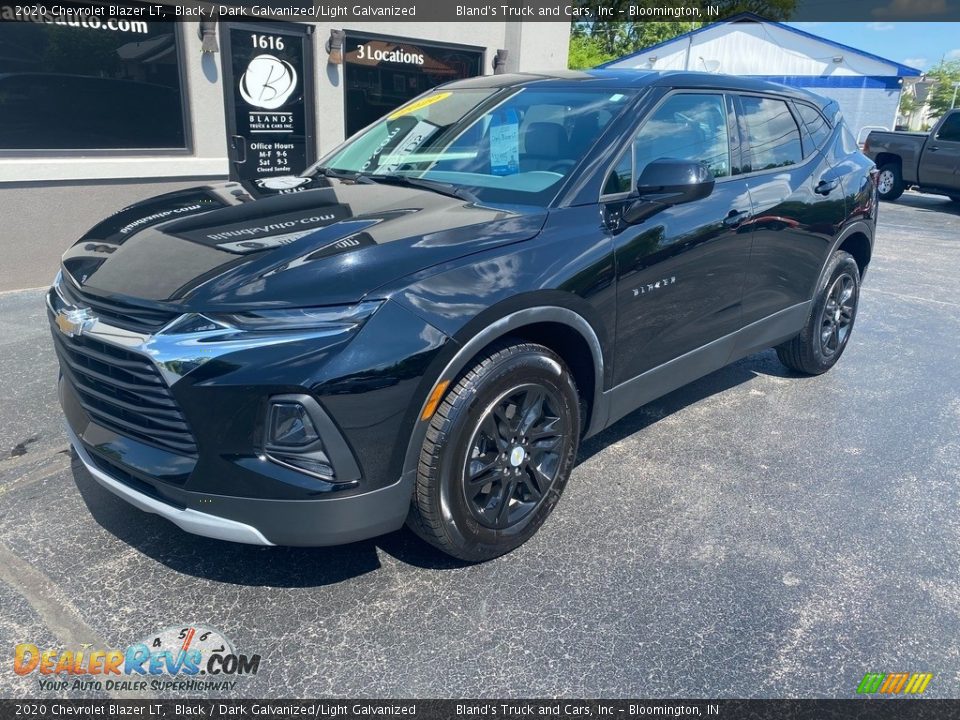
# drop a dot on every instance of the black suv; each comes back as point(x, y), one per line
point(422, 327)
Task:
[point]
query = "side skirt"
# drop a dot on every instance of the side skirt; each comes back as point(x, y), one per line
point(657, 382)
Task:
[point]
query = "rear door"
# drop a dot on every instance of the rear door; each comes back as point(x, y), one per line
point(940, 162)
point(679, 272)
point(798, 203)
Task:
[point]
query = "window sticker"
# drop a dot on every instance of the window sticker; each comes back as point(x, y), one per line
point(419, 105)
point(505, 144)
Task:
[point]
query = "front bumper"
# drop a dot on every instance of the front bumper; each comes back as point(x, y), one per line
point(255, 521)
point(224, 485)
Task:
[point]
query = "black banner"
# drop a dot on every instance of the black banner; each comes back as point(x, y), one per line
point(877, 709)
point(104, 14)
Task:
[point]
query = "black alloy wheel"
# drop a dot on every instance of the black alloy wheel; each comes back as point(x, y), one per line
point(836, 319)
point(826, 334)
point(514, 456)
point(497, 452)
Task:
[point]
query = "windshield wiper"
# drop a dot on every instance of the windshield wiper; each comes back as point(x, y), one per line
point(339, 174)
point(432, 185)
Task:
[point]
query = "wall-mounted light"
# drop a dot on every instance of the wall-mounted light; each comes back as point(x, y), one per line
point(207, 30)
point(838, 58)
point(500, 61)
point(335, 47)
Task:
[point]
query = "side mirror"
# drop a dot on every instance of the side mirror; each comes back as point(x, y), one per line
point(667, 182)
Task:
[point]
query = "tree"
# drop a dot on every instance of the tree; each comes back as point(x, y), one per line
point(608, 39)
point(908, 103)
point(946, 73)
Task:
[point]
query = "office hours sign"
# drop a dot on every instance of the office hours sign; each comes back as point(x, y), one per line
point(269, 100)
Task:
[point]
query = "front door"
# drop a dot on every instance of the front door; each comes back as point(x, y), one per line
point(940, 165)
point(268, 90)
point(680, 272)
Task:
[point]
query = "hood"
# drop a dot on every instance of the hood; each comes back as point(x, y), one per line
point(283, 242)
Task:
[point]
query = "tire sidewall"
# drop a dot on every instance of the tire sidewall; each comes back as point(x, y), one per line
point(842, 263)
point(459, 524)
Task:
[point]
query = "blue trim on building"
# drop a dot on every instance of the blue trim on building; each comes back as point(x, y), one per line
point(902, 70)
point(861, 82)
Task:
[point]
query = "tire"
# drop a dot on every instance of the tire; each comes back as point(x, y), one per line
point(458, 505)
point(813, 351)
point(890, 182)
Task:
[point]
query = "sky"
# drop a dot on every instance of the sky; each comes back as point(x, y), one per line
point(917, 44)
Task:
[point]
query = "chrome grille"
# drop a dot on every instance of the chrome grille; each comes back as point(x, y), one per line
point(123, 315)
point(123, 391)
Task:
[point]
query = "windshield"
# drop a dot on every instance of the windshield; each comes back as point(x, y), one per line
point(511, 145)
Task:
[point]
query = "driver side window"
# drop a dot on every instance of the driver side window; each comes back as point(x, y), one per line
point(687, 126)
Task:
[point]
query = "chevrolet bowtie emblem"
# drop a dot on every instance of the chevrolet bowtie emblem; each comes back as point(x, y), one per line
point(74, 321)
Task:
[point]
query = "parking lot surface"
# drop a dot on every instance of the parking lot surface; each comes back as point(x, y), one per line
point(755, 534)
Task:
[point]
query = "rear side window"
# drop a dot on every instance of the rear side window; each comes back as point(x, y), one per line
point(772, 132)
point(817, 126)
point(950, 130)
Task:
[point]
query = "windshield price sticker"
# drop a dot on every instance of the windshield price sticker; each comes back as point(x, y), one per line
point(419, 105)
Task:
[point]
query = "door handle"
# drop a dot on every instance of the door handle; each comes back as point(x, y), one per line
point(933, 148)
point(735, 218)
point(825, 187)
point(239, 145)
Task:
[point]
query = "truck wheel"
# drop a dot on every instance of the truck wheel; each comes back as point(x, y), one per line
point(824, 338)
point(497, 454)
point(890, 182)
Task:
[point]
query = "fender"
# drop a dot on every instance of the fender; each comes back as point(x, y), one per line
point(858, 226)
point(498, 329)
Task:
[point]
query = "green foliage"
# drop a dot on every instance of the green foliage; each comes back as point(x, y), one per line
point(587, 52)
point(945, 73)
point(908, 103)
point(608, 40)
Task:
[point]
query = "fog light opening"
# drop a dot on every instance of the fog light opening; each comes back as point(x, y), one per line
point(290, 425)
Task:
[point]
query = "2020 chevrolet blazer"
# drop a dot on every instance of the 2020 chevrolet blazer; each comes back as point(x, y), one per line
point(422, 327)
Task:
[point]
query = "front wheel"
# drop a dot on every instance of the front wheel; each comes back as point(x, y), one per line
point(890, 182)
point(824, 338)
point(497, 454)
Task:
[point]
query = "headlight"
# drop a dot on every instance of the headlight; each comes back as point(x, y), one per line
point(334, 317)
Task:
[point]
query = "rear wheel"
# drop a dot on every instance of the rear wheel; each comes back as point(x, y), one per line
point(890, 182)
point(821, 343)
point(497, 454)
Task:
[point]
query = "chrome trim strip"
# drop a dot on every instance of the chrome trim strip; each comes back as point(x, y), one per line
point(175, 355)
point(189, 520)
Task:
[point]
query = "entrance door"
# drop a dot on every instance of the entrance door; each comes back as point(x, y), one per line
point(382, 73)
point(269, 95)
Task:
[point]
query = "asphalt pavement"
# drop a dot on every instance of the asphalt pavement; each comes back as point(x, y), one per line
point(755, 534)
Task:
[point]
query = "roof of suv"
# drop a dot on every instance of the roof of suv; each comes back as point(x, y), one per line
point(631, 78)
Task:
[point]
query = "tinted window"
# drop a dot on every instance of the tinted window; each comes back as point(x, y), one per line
point(950, 130)
point(620, 179)
point(816, 124)
point(109, 86)
point(686, 127)
point(772, 132)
